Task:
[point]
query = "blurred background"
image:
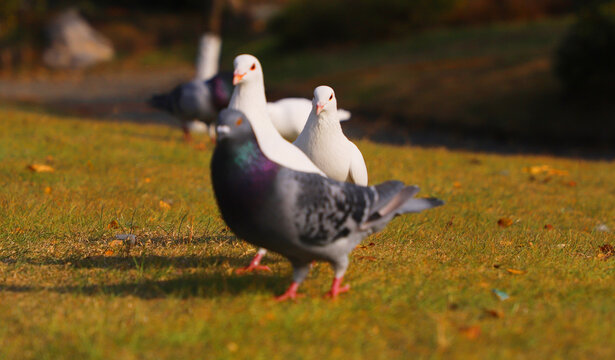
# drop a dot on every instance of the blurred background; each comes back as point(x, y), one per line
point(489, 75)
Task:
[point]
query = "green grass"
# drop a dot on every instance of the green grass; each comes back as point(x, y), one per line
point(66, 292)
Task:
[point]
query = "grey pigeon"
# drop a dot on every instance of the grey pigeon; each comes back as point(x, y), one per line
point(303, 216)
point(195, 100)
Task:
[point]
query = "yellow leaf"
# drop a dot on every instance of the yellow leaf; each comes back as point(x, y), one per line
point(109, 253)
point(40, 168)
point(470, 332)
point(116, 243)
point(516, 272)
point(48, 190)
point(147, 180)
point(164, 205)
point(232, 347)
point(505, 222)
point(113, 225)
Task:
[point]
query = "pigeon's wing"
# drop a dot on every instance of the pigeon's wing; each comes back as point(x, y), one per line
point(326, 210)
point(343, 115)
point(358, 170)
point(220, 90)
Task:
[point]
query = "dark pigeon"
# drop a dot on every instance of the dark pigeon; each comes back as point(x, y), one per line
point(302, 216)
point(195, 100)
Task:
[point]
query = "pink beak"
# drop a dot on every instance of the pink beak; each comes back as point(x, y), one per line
point(319, 109)
point(237, 78)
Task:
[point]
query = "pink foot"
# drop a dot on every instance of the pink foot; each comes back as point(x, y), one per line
point(254, 266)
point(336, 289)
point(187, 136)
point(290, 294)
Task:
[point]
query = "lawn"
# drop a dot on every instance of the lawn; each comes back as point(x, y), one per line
point(422, 288)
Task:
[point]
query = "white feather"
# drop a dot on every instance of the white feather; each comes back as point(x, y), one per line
point(324, 142)
point(249, 98)
point(289, 116)
point(208, 56)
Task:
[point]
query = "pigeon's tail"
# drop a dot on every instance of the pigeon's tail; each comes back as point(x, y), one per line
point(400, 202)
point(162, 102)
point(343, 115)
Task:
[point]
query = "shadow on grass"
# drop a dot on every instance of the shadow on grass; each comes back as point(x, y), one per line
point(147, 261)
point(199, 286)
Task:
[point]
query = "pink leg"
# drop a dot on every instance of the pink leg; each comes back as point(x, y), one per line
point(187, 136)
point(291, 293)
point(254, 265)
point(336, 289)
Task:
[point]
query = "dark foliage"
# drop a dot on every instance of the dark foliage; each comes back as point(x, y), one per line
point(585, 59)
point(318, 22)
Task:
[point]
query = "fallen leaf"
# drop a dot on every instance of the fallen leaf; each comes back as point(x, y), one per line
point(232, 347)
point(571, 183)
point(366, 246)
point(147, 180)
point(200, 146)
point(548, 227)
point(48, 190)
point(116, 243)
point(544, 169)
point(470, 332)
point(494, 313)
point(500, 294)
point(457, 184)
point(40, 168)
point(109, 253)
point(18, 231)
point(113, 225)
point(516, 272)
point(606, 250)
point(164, 205)
point(557, 172)
point(505, 222)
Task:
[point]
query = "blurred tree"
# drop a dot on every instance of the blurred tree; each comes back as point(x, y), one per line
point(584, 61)
point(318, 22)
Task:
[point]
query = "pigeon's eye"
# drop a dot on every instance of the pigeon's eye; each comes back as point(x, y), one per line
point(253, 67)
point(239, 121)
point(331, 97)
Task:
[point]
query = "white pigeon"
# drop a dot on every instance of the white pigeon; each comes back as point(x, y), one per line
point(249, 98)
point(323, 141)
point(289, 116)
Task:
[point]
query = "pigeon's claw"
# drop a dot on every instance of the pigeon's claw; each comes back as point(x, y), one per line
point(336, 289)
point(187, 136)
point(290, 294)
point(251, 268)
point(254, 266)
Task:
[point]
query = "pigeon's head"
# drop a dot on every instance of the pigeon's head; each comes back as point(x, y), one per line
point(247, 67)
point(324, 100)
point(232, 125)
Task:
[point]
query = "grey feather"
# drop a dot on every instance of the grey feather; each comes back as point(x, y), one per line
point(302, 216)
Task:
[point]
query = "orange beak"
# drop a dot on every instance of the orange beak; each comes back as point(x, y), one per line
point(319, 109)
point(237, 78)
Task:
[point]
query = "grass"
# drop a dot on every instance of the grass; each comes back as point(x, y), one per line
point(422, 290)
